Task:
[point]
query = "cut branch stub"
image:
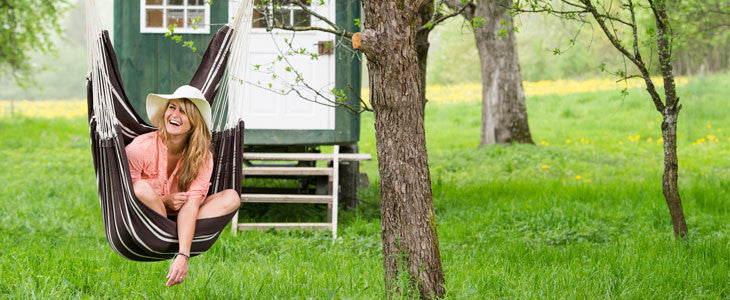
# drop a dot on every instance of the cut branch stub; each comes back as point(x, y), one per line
point(356, 40)
point(364, 41)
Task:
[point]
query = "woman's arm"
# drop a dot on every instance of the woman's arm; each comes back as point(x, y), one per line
point(186, 219)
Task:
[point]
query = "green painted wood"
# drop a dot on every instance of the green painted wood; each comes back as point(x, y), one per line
point(347, 71)
point(153, 63)
point(289, 137)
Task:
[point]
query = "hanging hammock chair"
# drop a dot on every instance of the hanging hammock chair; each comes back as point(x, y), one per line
point(134, 230)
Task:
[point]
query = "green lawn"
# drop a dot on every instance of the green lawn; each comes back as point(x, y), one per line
point(514, 221)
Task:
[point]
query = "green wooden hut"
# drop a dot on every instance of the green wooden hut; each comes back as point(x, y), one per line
point(153, 62)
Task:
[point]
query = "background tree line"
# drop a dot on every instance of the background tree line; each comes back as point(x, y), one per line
point(702, 47)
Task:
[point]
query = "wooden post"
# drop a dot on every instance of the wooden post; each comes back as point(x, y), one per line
point(335, 186)
point(234, 224)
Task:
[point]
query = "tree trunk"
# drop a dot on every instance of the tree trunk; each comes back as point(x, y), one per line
point(504, 115)
point(422, 45)
point(669, 125)
point(671, 166)
point(349, 178)
point(503, 98)
point(408, 221)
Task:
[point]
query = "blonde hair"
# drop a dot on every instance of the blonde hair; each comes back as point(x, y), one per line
point(197, 147)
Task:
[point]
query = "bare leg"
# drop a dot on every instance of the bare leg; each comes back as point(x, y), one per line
point(144, 192)
point(220, 204)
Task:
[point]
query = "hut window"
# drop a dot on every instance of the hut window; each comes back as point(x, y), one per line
point(279, 12)
point(186, 16)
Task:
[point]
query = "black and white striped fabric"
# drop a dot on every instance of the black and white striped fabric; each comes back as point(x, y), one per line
point(134, 230)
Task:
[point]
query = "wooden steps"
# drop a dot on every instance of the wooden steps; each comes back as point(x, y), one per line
point(306, 156)
point(288, 171)
point(273, 171)
point(285, 198)
point(277, 226)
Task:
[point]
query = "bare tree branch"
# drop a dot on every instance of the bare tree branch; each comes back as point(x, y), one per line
point(437, 18)
point(308, 10)
point(343, 33)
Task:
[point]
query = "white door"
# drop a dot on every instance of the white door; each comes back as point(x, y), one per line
point(273, 65)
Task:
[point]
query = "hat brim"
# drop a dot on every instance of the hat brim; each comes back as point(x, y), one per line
point(157, 102)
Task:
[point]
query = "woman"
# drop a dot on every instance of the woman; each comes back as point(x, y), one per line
point(171, 168)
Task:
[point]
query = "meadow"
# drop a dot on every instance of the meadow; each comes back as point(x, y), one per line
point(580, 214)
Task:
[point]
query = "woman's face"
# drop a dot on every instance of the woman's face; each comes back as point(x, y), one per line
point(176, 119)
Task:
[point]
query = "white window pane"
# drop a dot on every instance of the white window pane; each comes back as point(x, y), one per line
point(282, 17)
point(301, 18)
point(193, 15)
point(153, 18)
point(175, 16)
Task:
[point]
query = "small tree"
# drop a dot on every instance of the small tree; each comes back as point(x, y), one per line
point(619, 24)
point(27, 26)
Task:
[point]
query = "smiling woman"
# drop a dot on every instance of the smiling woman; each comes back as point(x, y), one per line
point(171, 168)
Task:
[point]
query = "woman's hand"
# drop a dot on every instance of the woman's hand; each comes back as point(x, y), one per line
point(175, 201)
point(178, 271)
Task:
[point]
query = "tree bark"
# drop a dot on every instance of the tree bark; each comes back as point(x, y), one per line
point(670, 112)
point(422, 45)
point(670, 187)
point(408, 221)
point(504, 115)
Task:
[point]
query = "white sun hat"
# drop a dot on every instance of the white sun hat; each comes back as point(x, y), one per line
point(156, 102)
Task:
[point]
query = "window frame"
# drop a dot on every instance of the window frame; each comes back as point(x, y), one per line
point(202, 28)
point(291, 8)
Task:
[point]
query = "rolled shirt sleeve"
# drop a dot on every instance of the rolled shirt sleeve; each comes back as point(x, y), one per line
point(201, 183)
point(138, 159)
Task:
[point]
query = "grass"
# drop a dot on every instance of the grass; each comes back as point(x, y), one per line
point(578, 219)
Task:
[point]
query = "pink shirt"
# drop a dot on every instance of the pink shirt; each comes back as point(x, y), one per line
point(147, 156)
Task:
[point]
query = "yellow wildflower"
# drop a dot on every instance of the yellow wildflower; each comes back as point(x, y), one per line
point(567, 141)
point(577, 177)
point(660, 140)
point(587, 180)
point(649, 140)
point(544, 166)
point(709, 126)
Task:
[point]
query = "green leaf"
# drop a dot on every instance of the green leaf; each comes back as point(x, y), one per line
point(477, 22)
